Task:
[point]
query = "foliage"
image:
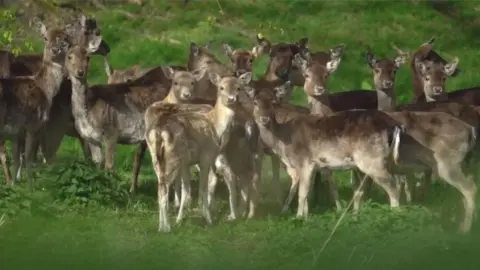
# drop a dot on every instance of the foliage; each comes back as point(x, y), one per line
point(14, 199)
point(80, 184)
point(9, 28)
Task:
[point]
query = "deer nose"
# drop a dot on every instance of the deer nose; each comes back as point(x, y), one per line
point(437, 90)
point(186, 95)
point(80, 73)
point(318, 90)
point(240, 72)
point(387, 83)
point(232, 99)
point(264, 120)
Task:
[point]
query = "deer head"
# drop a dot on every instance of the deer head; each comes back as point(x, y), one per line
point(315, 72)
point(384, 70)
point(241, 60)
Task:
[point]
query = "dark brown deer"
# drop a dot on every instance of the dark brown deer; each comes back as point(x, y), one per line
point(27, 101)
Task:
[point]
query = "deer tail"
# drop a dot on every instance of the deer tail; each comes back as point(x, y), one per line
point(397, 134)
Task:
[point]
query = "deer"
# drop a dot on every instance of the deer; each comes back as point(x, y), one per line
point(201, 58)
point(339, 141)
point(182, 140)
point(27, 100)
point(80, 32)
point(124, 102)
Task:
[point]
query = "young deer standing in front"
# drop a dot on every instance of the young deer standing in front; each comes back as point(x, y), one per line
point(179, 141)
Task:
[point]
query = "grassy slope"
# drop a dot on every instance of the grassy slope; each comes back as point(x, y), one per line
point(380, 240)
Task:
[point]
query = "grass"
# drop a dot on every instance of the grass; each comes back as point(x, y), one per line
point(46, 230)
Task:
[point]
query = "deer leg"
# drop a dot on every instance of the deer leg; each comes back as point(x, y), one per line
point(177, 185)
point(222, 166)
point(205, 176)
point(424, 187)
point(360, 188)
point(467, 187)
point(254, 184)
point(18, 147)
point(275, 162)
point(29, 143)
point(97, 156)
point(333, 188)
point(110, 149)
point(375, 167)
point(305, 180)
point(294, 175)
point(3, 159)
point(139, 154)
point(185, 197)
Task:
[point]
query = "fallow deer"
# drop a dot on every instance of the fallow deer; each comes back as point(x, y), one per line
point(182, 140)
point(340, 141)
point(113, 113)
point(27, 101)
point(82, 31)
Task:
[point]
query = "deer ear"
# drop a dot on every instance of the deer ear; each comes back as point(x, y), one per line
point(214, 78)
point(420, 67)
point(228, 50)
point(169, 72)
point(108, 68)
point(94, 44)
point(300, 62)
point(451, 67)
point(333, 64)
point(245, 78)
point(194, 49)
point(82, 21)
point(400, 60)
point(39, 26)
point(371, 60)
point(337, 51)
point(207, 46)
point(198, 74)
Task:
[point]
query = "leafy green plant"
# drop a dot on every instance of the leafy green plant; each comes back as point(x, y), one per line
point(14, 199)
point(9, 30)
point(81, 184)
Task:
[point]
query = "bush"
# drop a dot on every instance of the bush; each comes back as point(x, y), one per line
point(14, 199)
point(81, 184)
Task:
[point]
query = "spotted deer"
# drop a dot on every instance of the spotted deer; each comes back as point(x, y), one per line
point(27, 101)
point(339, 141)
point(202, 58)
point(114, 113)
point(182, 140)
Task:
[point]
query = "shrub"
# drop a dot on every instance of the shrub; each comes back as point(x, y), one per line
point(81, 184)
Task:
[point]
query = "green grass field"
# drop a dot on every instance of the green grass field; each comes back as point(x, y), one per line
point(82, 218)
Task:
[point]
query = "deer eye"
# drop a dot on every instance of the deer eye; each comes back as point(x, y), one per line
point(69, 57)
point(377, 70)
point(427, 78)
point(222, 88)
point(175, 83)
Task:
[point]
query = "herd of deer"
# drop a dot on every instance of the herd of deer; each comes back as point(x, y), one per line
point(216, 116)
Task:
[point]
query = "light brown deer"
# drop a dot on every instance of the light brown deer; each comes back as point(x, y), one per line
point(182, 140)
point(202, 58)
point(27, 101)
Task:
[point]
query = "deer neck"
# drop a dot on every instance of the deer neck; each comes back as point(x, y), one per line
point(386, 99)
point(221, 117)
point(79, 100)
point(49, 78)
point(417, 82)
point(320, 105)
point(171, 98)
